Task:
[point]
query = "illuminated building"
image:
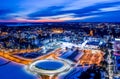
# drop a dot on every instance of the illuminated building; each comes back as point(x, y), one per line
point(49, 69)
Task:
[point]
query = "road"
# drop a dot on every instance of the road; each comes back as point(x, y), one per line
point(11, 57)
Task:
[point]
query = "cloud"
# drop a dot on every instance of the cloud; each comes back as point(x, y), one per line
point(37, 5)
point(54, 19)
point(112, 16)
point(97, 7)
point(58, 16)
point(67, 17)
point(76, 18)
point(116, 8)
point(79, 4)
point(5, 14)
point(56, 11)
point(50, 11)
point(59, 10)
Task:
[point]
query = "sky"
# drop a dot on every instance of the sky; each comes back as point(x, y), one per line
point(59, 10)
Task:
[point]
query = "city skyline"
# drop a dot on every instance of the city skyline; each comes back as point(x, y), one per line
point(60, 11)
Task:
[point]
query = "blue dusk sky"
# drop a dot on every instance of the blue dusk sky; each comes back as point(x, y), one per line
point(59, 10)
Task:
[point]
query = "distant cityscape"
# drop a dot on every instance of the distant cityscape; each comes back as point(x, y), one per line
point(62, 50)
